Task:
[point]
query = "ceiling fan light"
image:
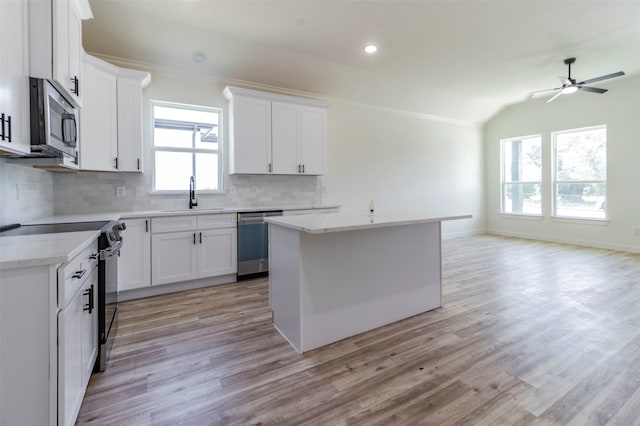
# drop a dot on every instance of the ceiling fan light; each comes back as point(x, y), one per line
point(569, 90)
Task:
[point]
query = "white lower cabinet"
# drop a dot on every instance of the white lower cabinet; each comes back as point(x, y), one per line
point(218, 253)
point(69, 360)
point(134, 263)
point(174, 257)
point(77, 345)
point(186, 248)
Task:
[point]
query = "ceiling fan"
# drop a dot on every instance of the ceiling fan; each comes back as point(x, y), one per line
point(569, 84)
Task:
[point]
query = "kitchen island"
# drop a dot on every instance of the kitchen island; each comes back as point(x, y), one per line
point(336, 275)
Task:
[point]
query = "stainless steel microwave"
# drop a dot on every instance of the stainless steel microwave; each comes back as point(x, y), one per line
point(54, 125)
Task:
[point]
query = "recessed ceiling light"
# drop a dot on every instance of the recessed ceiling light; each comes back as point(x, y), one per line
point(371, 49)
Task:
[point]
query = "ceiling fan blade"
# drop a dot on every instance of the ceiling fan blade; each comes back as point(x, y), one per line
point(537, 92)
point(603, 77)
point(555, 96)
point(592, 89)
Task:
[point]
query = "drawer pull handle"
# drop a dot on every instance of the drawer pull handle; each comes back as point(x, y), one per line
point(90, 305)
point(79, 274)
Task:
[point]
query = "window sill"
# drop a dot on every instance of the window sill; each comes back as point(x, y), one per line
point(522, 216)
point(580, 220)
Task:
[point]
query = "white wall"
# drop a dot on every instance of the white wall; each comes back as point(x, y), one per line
point(405, 161)
point(619, 109)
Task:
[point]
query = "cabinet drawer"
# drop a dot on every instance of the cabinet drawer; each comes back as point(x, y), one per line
point(173, 224)
point(214, 221)
point(74, 273)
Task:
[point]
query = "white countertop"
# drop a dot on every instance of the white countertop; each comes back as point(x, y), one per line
point(337, 222)
point(93, 217)
point(44, 249)
point(49, 249)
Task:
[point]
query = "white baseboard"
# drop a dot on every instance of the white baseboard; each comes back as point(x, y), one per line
point(576, 242)
point(157, 290)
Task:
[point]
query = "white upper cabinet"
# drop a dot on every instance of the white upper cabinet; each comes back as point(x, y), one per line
point(275, 134)
point(111, 117)
point(14, 81)
point(55, 39)
point(250, 136)
point(130, 85)
point(284, 138)
point(312, 152)
point(98, 116)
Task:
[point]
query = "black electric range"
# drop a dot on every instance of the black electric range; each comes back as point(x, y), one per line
point(54, 228)
point(109, 244)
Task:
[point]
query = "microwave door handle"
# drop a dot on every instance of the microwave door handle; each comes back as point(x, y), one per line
point(72, 138)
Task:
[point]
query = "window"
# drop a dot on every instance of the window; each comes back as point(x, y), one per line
point(186, 142)
point(521, 175)
point(580, 177)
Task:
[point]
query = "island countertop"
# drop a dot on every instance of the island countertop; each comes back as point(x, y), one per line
point(337, 222)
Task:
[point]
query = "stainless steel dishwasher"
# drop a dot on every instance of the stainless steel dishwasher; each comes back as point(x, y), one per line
point(253, 243)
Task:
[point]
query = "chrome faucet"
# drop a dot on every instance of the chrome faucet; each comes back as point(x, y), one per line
point(193, 201)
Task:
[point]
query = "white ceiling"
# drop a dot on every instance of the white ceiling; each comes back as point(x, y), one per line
point(464, 60)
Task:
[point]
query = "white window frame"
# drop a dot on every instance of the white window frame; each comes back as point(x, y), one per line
point(192, 150)
point(504, 183)
point(555, 182)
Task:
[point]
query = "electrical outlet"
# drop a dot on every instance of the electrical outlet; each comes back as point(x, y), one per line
point(121, 191)
point(138, 191)
point(254, 189)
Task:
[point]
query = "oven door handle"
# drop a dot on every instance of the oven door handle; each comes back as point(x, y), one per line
point(113, 250)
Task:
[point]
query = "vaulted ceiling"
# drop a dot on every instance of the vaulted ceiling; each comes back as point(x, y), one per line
point(464, 60)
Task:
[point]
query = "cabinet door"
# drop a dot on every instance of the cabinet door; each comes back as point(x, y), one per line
point(129, 125)
point(312, 142)
point(134, 264)
point(250, 142)
point(98, 120)
point(70, 389)
point(75, 53)
point(89, 296)
point(173, 257)
point(14, 83)
point(284, 139)
point(217, 252)
point(59, 56)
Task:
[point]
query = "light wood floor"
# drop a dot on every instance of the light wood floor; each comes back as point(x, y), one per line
point(530, 333)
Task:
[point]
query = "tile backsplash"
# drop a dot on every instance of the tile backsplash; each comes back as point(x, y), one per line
point(25, 193)
point(91, 192)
